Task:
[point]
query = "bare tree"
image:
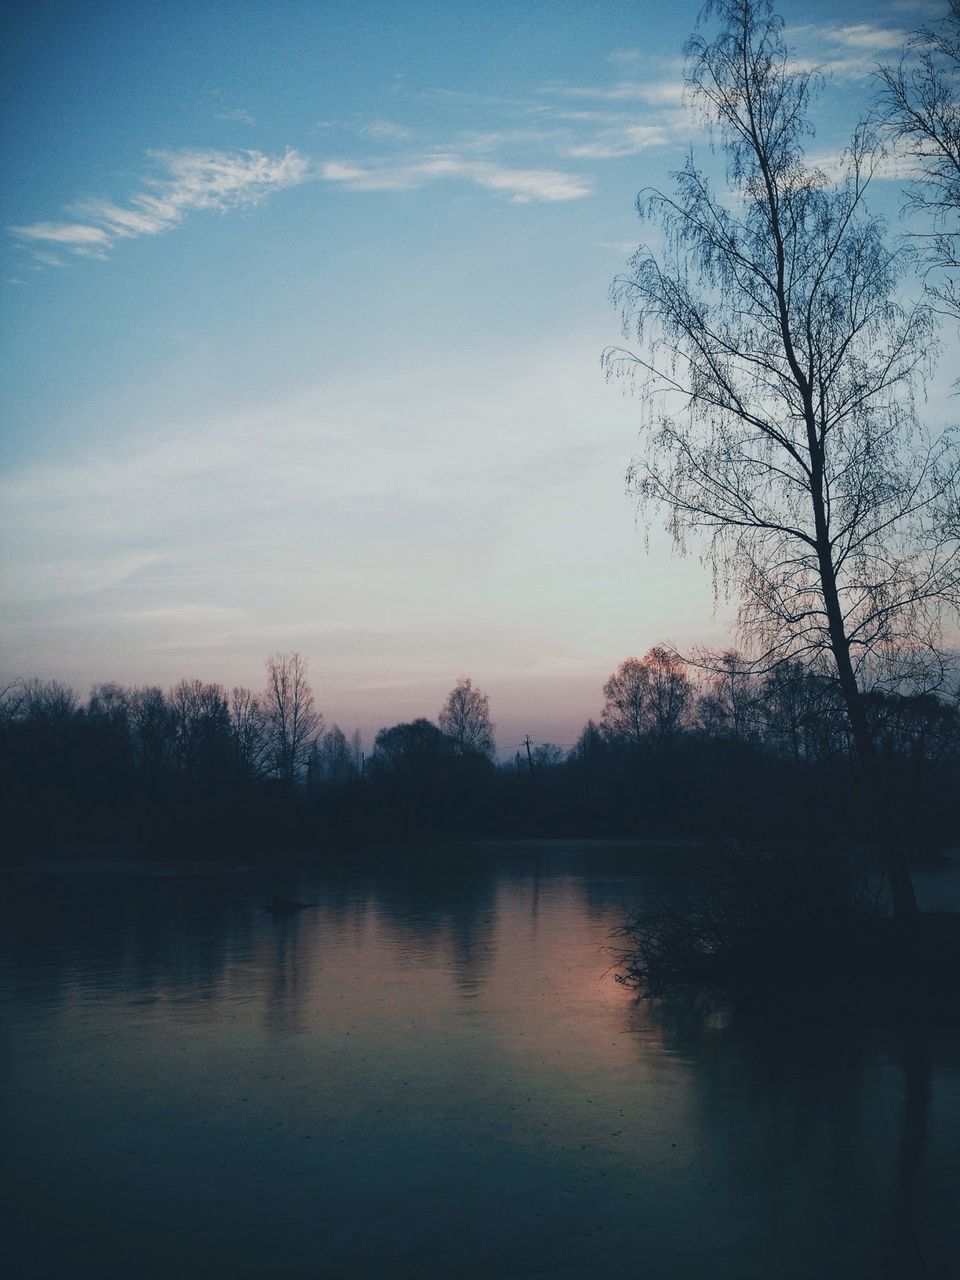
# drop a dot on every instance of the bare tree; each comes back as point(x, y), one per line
point(11, 701)
point(465, 719)
point(151, 721)
point(249, 731)
point(801, 714)
point(670, 692)
point(727, 707)
point(109, 702)
point(45, 714)
point(920, 105)
point(47, 702)
point(108, 712)
point(294, 720)
point(547, 755)
point(647, 697)
point(625, 702)
point(201, 724)
point(777, 367)
point(335, 759)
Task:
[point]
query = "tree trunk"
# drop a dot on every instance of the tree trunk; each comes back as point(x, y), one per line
point(889, 833)
point(890, 840)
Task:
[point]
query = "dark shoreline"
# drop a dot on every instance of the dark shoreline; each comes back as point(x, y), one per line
point(888, 977)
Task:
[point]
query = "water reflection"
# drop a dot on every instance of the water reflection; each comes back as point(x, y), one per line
point(432, 1071)
point(850, 1127)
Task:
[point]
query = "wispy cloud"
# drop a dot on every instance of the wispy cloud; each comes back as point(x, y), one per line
point(239, 115)
point(521, 185)
point(895, 165)
point(862, 35)
point(660, 92)
point(180, 183)
point(387, 131)
point(627, 140)
point(558, 122)
point(46, 259)
point(847, 51)
point(75, 237)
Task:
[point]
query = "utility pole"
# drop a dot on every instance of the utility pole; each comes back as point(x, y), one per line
point(526, 743)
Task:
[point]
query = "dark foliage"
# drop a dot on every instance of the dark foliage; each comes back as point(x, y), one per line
point(740, 757)
point(792, 928)
point(754, 919)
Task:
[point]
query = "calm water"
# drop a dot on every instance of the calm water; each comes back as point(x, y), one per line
point(437, 1075)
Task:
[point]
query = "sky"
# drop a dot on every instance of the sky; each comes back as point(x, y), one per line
point(301, 314)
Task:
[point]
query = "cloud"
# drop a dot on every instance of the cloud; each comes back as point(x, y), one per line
point(861, 35)
point(46, 259)
point(523, 186)
point(185, 181)
point(238, 114)
point(182, 181)
point(639, 114)
point(622, 91)
point(665, 91)
point(627, 141)
point(849, 51)
point(72, 235)
point(896, 165)
point(387, 131)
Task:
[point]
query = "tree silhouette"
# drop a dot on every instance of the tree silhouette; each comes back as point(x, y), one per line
point(670, 692)
point(647, 697)
point(335, 761)
point(625, 702)
point(250, 732)
point(777, 367)
point(920, 104)
point(415, 752)
point(294, 722)
point(465, 719)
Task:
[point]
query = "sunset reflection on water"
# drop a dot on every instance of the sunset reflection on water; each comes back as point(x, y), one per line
point(431, 1070)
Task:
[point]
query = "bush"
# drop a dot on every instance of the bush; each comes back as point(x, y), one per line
point(761, 920)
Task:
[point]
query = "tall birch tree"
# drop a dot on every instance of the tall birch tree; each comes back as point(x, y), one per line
point(777, 364)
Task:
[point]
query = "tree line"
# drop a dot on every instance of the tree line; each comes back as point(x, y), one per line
point(677, 750)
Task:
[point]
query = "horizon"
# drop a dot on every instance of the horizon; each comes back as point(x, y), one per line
point(303, 320)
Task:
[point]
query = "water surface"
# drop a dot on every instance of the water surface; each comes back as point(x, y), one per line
point(433, 1072)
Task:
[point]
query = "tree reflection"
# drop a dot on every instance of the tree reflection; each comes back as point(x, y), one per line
point(832, 1118)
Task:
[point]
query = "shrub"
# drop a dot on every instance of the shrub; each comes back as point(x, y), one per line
point(760, 920)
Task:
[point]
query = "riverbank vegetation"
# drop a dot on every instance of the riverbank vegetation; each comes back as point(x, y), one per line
point(792, 927)
point(675, 751)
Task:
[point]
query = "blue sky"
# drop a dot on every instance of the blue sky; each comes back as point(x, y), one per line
point(302, 310)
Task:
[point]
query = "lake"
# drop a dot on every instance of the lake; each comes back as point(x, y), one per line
point(431, 1071)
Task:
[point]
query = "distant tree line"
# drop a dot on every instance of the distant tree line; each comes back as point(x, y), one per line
point(677, 751)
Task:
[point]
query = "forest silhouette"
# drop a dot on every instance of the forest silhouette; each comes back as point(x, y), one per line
point(676, 752)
